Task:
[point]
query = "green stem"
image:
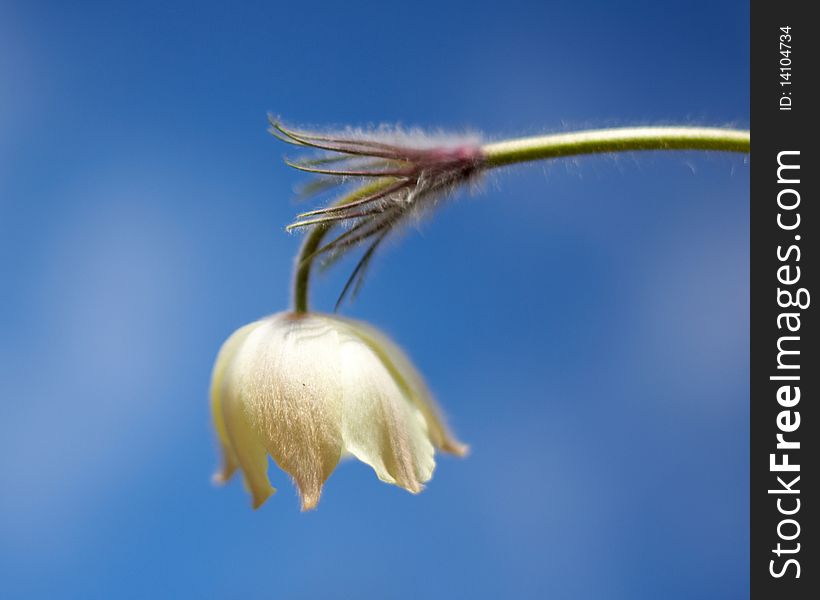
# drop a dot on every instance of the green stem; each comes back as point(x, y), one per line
point(313, 241)
point(615, 140)
point(520, 150)
point(301, 277)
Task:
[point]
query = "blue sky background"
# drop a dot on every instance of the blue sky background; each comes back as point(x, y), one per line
point(584, 323)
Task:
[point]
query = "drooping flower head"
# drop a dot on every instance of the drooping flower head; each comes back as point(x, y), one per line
point(404, 174)
point(308, 389)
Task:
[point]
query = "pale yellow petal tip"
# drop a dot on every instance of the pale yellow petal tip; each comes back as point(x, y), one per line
point(456, 448)
point(412, 484)
point(222, 476)
point(414, 487)
point(259, 498)
point(310, 501)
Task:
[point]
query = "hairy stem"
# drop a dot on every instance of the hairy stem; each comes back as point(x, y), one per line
point(625, 139)
point(509, 152)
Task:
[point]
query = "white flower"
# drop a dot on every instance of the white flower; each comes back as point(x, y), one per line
point(309, 388)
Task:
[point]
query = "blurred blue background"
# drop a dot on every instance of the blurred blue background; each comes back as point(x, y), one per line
point(584, 323)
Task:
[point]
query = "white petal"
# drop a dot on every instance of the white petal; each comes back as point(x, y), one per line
point(240, 442)
point(412, 383)
point(290, 387)
point(223, 360)
point(380, 426)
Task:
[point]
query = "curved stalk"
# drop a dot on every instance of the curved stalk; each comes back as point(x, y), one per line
point(313, 241)
point(509, 152)
point(624, 139)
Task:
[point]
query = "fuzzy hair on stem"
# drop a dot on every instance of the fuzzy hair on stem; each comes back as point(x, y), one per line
point(414, 171)
point(404, 174)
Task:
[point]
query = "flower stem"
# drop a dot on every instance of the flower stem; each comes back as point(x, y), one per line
point(624, 139)
point(313, 241)
point(509, 152)
point(301, 276)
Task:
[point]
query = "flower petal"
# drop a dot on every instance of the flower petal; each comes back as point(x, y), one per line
point(223, 359)
point(380, 426)
point(240, 442)
point(290, 386)
point(412, 384)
